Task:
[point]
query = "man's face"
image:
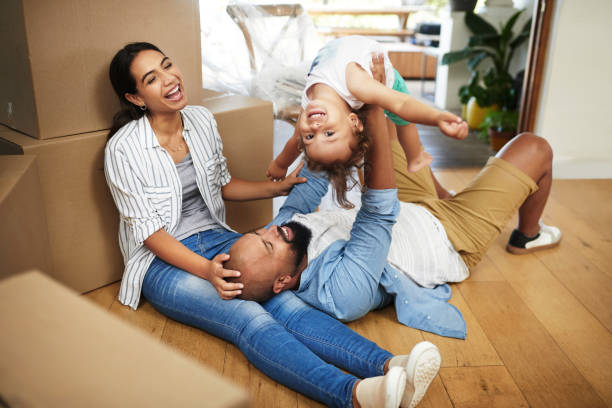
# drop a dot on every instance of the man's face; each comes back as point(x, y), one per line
point(264, 255)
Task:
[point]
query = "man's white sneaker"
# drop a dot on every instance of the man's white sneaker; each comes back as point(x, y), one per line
point(548, 237)
point(421, 366)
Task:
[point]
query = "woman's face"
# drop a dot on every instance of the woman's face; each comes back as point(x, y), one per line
point(159, 84)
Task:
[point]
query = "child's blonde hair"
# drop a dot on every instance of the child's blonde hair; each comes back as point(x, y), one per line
point(340, 174)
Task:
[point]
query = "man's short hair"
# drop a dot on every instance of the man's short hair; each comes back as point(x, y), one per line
point(252, 289)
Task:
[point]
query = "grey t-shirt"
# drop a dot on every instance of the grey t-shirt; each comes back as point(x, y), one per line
point(195, 216)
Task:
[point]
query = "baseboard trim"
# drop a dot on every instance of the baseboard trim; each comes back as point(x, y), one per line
point(585, 169)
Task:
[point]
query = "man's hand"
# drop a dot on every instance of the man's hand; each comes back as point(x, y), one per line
point(452, 125)
point(377, 66)
point(276, 172)
point(216, 275)
point(287, 184)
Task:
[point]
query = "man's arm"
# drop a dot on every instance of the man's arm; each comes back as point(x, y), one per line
point(347, 279)
point(379, 173)
point(304, 198)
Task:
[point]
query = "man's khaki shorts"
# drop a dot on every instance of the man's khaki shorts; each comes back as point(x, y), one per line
point(474, 217)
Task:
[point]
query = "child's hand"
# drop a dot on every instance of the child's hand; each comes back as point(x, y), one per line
point(276, 172)
point(452, 125)
point(377, 66)
point(287, 184)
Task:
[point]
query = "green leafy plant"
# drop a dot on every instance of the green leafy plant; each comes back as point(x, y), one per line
point(498, 47)
point(500, 121)
point(473, 88)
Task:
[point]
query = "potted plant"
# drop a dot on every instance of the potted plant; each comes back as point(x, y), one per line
point(497, 47)
point(498, 127)
point(474, 101)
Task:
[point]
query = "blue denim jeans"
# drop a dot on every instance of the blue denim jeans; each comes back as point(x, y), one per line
point(288, 340)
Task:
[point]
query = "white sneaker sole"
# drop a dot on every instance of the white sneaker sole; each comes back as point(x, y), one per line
point(422, 368)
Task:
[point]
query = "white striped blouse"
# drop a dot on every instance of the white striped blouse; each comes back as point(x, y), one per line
point(145, 185)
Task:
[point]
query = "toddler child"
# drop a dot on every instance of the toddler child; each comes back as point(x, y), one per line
point(330, 128)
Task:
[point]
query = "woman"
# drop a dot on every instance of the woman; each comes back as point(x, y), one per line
point(168, 177)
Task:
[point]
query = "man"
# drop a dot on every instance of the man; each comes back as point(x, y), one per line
point(435, 241)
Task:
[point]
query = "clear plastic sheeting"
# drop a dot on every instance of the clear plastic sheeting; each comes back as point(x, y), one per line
point(225, 58)
point(275, 64)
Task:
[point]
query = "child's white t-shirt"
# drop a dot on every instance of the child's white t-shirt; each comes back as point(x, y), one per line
point(329, 66)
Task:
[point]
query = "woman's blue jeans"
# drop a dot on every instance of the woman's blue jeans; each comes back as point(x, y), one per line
point(290, 341)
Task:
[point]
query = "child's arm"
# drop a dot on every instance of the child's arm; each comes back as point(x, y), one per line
point(278, 166)
point(368, 90)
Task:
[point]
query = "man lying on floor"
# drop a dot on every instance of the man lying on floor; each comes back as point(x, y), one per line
point(348, 262)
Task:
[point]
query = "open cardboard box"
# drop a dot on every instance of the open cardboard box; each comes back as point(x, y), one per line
point(81, 217)
point(246, 126)
point(60, 350)
point(24, 242)
point(55, 57)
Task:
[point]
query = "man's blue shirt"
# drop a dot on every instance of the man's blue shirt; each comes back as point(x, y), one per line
point(351, 278)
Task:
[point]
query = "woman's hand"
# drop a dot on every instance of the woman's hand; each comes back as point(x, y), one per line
point(216, 275)
point(452, 125)
point(377, 66)
point(276, 172)
point(292, 179)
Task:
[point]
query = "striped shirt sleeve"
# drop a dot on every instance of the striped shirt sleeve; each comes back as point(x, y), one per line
point(132, 199)
point(223, 172)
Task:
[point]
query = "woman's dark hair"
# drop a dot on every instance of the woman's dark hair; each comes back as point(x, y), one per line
point(123, 82)
point(341, 174)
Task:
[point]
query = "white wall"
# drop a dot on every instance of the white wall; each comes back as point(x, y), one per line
point(449, 78)
point(575, 111)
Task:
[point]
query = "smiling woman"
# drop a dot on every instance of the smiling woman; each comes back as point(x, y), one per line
point(166, 172)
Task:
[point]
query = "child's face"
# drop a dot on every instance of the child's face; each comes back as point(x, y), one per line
point(328, 132)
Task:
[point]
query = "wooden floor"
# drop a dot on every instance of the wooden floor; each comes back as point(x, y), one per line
point(452, 153)
point(538, 325)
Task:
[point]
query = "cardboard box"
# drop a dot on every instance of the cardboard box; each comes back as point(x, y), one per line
point(59, 350)
point(246, 126)
point(81, 217)
point(55, 57)
point(24, 243)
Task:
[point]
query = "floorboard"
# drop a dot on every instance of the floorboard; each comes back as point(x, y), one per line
point(475, 350)
point(482, 387)
point(542, 371)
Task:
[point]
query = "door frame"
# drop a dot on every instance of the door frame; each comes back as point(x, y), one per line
point(536, 61)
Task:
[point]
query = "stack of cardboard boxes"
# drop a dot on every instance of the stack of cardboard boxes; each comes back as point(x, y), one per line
point(56, 104)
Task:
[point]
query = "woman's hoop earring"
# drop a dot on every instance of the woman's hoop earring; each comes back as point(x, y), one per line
point(143, 107)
